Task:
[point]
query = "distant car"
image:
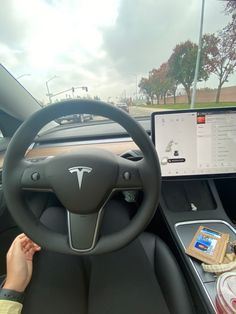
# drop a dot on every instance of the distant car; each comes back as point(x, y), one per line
point(74, 118)
point(123, 106)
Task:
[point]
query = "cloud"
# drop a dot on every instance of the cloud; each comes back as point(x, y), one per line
point(13, 26)
point(146, 31)
point(103, 44)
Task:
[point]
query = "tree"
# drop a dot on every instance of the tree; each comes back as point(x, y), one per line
point(164, 81)
point(230, 8)
point(159, 83)
point(173, 87)
point(220, 53)
point(146, 86)
point(182, 65)
point(155, 83)
point(167, 82)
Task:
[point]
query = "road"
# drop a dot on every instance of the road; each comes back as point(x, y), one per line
point(137, 111)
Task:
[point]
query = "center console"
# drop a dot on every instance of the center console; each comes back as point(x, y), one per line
point(195, 148)
point(183, 213)
point(186, 231)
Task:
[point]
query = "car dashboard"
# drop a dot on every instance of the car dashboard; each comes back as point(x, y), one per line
point(121, 147)
point(186, 203)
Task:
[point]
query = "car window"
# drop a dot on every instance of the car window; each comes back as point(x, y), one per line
point(140, 56)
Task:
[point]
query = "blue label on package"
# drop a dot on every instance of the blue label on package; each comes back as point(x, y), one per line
point(205, 244)
point(211, 232)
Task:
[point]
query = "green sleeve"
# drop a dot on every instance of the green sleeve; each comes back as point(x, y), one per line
point(10, 307)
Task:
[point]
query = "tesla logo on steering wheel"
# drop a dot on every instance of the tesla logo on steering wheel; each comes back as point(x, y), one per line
point(80, 170)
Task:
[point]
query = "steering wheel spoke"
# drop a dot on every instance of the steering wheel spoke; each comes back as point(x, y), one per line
point(34, 176)
point(129, 175)
point(84, 230)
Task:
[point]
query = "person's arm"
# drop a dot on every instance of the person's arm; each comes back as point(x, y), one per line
point(19, 272)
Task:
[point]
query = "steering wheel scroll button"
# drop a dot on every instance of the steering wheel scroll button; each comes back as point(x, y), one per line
point(35, 176)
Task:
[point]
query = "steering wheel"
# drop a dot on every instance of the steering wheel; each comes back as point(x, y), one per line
point(83, 181)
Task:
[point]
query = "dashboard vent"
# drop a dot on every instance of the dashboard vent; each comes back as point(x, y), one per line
point(133, 155)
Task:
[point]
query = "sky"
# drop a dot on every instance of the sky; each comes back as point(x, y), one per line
point(106, 45)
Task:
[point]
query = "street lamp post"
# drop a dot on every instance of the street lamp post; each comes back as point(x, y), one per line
point(198, 56)
point(47, 87)
point(22, 75)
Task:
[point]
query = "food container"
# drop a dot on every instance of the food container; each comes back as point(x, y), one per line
point(226, 293)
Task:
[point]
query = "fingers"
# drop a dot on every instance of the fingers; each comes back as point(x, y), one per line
point(25, 241)
point(29, 250)
point(25, 244)
point(20, 236)
point(29, 247)
point(30, 253)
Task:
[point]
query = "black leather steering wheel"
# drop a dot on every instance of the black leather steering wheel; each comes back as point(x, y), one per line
point(83, 181)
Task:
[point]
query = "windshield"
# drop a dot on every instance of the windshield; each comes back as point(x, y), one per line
point(140, 56)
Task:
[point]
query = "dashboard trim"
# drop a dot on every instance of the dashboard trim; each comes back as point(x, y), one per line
point(53, 150)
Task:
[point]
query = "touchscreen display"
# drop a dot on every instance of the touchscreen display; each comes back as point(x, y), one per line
point(195, 142)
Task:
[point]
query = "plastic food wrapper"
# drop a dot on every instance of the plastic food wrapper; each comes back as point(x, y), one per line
point(226, 293)
point(228, 264)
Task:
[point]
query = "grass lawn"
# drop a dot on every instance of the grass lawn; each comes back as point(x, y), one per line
point(187, 106)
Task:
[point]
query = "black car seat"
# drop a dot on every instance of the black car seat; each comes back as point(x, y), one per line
point(109, 280)
point(168, 274)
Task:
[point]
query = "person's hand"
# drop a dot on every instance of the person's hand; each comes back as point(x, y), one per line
point(20, 263)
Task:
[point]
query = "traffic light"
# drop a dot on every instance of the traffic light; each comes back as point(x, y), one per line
point(85, 88)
